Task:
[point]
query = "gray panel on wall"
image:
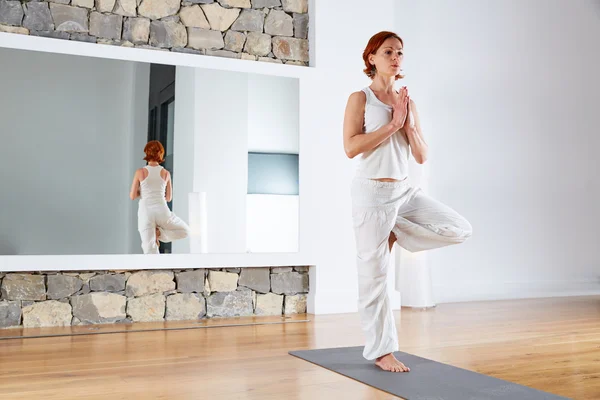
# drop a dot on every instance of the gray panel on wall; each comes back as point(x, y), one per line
point(273, 173)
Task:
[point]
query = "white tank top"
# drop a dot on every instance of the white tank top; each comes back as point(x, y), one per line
point(390, 158)
point(152, 189)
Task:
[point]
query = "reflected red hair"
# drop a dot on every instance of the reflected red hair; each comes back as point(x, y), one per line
point(154, 151)
point(374, 44)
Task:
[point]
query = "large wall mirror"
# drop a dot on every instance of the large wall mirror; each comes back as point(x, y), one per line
point(73, 133)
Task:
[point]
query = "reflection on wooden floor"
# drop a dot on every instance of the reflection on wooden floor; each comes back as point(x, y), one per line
point(15, 333)
point(548, 344)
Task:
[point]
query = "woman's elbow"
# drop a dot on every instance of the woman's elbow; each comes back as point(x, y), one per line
point(420, 158)
point(350, 153)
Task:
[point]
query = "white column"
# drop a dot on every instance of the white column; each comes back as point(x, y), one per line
point(183, 148)
point(412, 272)
point(198, 222)
point(413, 279)
point(221, 155)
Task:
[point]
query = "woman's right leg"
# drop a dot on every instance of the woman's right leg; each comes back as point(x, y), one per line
point(147, 230)
point(373, 220)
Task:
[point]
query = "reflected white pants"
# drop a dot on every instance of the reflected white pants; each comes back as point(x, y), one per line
point(418, 222)
point(170, 226)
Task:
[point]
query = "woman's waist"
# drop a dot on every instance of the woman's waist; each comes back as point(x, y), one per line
point(153, 201)
point(370, 193)
point(385, 170)
point(380, 182)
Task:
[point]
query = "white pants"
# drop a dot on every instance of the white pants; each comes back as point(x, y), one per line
point(418, 222)
point(159, 216)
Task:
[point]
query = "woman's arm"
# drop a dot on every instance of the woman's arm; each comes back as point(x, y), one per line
point(134, 192)
point(412, 129)
point(355, 140)
point(169, 194)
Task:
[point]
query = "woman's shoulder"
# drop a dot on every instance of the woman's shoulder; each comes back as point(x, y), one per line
point(360, 92)
point(358, 97)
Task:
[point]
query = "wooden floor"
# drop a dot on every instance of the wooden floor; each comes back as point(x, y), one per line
point(547, 344)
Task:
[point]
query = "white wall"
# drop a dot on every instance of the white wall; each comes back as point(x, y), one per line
point(221, 156)
point(140, 89)
point(509, 107)
point(216, 123)
point(272, 223)
point(67, 133)
point(273, 127)
point(183, 141)
point(341, 33)
point(273, 119)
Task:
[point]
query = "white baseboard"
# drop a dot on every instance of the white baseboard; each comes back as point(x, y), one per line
point(482, 291)
point(345, 302)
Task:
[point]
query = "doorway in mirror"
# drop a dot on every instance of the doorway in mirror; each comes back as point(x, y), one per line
point(161, 119)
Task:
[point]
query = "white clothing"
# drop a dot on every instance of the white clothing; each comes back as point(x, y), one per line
point(390, 158)
point(418, 222)
point(154, 187)
point(154, 212)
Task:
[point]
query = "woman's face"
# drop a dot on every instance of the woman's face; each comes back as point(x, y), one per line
point(388, 58)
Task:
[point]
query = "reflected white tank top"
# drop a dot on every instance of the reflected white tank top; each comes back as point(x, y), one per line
point(152, 189)
point(390, 158)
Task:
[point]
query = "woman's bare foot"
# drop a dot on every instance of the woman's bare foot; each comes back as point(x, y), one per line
point(157, 236)
point(390, 363)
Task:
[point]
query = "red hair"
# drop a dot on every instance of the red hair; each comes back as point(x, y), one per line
point(374, 44)
point(154, 151)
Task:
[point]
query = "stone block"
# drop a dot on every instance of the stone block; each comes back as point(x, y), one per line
point(147, 308)
point(269, 304)
point(220, 18)
point(46, 314)
point(23, 287)
point(257, 279)
point(230, 304)
point(289, 283)
point(286, 48)
point(250, 21)
point(149, 282)
point(61, 286)
point(99, 307)
point(185, 306)
point(69, 19)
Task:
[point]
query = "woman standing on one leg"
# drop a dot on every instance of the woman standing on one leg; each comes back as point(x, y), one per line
point(153, 184)
point(381, 126)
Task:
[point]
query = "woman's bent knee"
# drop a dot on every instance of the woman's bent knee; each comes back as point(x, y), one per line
point(463, 230)
point(458, 230)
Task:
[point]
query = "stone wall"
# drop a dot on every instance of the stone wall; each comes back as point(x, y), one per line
point(80, 298)
point(263, 30)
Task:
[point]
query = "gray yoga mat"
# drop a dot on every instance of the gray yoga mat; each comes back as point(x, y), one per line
point(427, 379)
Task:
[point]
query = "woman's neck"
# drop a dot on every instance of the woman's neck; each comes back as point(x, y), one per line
point(383, 83)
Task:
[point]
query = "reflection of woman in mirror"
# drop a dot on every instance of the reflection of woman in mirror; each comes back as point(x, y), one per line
point(153, 185)
point(382, 128)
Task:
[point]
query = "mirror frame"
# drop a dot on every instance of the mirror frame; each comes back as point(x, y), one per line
point(16, 263)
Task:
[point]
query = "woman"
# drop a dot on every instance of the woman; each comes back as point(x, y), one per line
point(153, 184)
point(382, 127)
